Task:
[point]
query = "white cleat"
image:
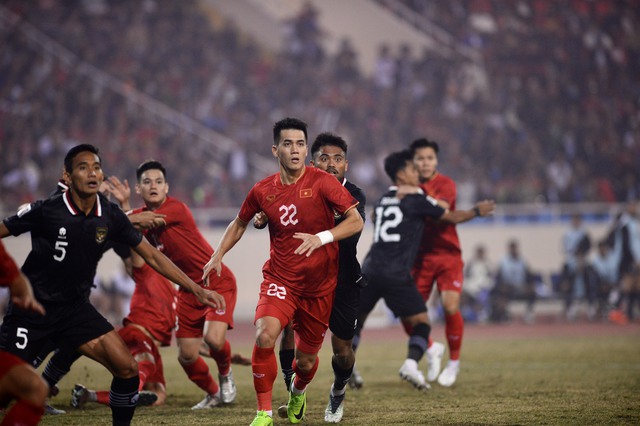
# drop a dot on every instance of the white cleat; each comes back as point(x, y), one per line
point(209, 401)
point(434, 360)
point(449, 375)
point(335, 409)
point(410, 373)
point(228, 388)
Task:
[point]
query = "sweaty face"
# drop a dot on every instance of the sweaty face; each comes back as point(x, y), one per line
point(291, 150)
point(426, 161)
point(153, 188)
point(332, 160)
point(86, 174)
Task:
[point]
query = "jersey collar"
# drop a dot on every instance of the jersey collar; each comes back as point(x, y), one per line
point(74, 210)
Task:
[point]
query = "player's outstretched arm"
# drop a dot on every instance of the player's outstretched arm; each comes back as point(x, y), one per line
point(169, 270)
point(351, 225)
point(231, 236)
point(481, 209)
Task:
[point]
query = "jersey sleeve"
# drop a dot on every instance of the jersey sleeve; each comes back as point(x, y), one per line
point(420, 205)
point(26, 219)
point(125, 233)
point(339, 198)
point(250, 206)
point(8, 269)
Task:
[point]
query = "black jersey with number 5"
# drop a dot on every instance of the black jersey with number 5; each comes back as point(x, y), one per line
point(66, 245)
point(397, 231)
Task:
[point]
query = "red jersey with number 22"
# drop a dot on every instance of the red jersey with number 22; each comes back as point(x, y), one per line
point(306, 206)
point(440, 237)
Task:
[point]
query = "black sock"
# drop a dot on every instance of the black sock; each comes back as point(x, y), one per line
point(418, 341)
point(59, 365)
point(286, 364)
point(341, 376)
point(123, 399)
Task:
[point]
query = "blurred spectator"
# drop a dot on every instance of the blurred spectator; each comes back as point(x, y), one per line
point(478, 282)
point(604, 265)
point(577, 280)
point(514, 281)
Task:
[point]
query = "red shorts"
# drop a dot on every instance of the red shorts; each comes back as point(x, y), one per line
point(8, 361)
point(192, 314)
point(309, 315)
point(446, 270)
point(139, 343)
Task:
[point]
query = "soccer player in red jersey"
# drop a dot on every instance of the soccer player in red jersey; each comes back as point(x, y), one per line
point(19, 380)
point(181, 241)
point(439, 260)
point(300, 277)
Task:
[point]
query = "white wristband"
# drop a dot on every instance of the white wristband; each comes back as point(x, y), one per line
point(326, 237)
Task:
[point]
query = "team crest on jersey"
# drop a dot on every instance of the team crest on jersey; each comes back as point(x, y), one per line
point(101, 234)
point(270, 198)
point(306, 193)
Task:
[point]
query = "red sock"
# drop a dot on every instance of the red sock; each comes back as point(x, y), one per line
point(23, 413)
point(302, 380)
point(102, 397)
point(145, 369)
point(265, 371)
point(454, 328)
point(222, 358)
point(198, 373)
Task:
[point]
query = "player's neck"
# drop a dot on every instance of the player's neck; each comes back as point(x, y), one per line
point(289, 177)
point(430, 178)
point(85, 203)
point(155, 206)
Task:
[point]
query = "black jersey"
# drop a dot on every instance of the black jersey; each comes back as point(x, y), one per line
point(66, 245)
point(349, 268)
point(398, 226)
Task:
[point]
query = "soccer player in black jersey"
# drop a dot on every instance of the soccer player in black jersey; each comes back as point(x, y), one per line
point(398, 221)
point(68, 233)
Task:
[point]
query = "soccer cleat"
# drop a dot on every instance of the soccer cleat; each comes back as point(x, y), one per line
point(209, 401)
point(410, 373)
point(48, 409)
point(146, 398)
point(434, 360)
point(262, 419)
point(79, 396)
point(228, 388)
point(449, 375)
point(297, 405)
point(335, 409)
point(356, 381)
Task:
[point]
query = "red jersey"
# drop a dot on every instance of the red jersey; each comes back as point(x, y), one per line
point(440, 237)
point(153, 304)
point(181, 241)
point(8, 268)
point(306, 206)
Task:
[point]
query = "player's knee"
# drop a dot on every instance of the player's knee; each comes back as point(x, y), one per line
point(265, 340)
point(128, 369)
point(344, 361)
point(33, 388)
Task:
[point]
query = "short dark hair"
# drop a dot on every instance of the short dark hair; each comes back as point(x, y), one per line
point(328, 139)
point(150, 165)
point(397, 161)
point(73, 152)
point(423, 143)
point(288, 123)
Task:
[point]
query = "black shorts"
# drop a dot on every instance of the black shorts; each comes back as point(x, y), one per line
point(344, 313)
point(66, 325)
point(401, 296)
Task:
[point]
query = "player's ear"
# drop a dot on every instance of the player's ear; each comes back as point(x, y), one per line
point(274, 150)
point(346, 165)
point(138, 188)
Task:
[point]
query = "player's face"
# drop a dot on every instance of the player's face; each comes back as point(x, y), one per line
point(86, 174)
point(291, 150)
point(152, 188)
point(410, 175)
point(426, 161)
point(332, 160)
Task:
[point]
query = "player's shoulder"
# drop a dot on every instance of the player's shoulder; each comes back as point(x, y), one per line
point(444, 179)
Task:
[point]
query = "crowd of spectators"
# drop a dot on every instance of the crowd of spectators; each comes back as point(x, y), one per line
point(549, 115)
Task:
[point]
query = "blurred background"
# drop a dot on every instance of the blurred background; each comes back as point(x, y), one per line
point(535, 103)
